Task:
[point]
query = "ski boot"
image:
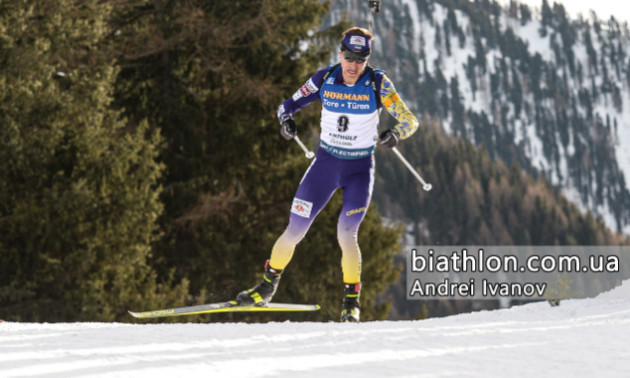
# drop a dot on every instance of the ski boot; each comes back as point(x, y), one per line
point(351, 311)
point(261, 294)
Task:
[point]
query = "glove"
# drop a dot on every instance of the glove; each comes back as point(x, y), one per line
point(288, 129)
point(389, 138)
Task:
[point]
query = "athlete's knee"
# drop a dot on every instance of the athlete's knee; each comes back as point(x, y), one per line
point(291, 236)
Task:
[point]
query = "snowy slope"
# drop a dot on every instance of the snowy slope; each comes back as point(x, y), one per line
point(592, 165)
point(525, 128)
point(580, 338)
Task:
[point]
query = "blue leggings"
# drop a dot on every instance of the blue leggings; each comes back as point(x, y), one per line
point(325, 175)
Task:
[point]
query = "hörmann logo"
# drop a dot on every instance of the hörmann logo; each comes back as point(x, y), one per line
point(346, 96)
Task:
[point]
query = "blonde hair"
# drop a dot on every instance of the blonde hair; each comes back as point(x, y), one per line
point(360, 31)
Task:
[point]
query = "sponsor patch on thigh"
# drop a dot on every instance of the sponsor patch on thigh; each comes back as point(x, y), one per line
point(356, 211)
point(302, 208)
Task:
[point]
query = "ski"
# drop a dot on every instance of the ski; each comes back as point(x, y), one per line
point(231, 306)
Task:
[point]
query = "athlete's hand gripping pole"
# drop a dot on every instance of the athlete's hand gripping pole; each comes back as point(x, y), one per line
point(288, 130)
point(375, 6)
point(309, 154)
point(425, 185)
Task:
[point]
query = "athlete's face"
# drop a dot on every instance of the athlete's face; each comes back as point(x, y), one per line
point(351, 70)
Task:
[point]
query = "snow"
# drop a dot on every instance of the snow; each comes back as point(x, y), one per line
point(525, 129)
point(580, 338)
point(604, 8)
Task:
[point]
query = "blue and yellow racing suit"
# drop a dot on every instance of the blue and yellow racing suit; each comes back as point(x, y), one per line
point(349, 133)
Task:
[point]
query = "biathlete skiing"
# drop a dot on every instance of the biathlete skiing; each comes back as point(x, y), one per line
point(352, 95)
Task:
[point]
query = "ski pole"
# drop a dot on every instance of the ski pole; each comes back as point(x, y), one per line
point(309, 154)
point(375, 6)
point(426, 186)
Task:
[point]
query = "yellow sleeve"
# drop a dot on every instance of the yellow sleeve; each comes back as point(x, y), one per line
point(407, 122)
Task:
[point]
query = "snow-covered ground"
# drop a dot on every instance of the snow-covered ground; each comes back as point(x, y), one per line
point(580, 338)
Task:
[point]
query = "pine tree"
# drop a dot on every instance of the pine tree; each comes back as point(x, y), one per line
point(546, 18)
point(526, 14)
point(77, 184)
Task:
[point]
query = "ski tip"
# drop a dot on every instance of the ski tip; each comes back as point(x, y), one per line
point(153, 314)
